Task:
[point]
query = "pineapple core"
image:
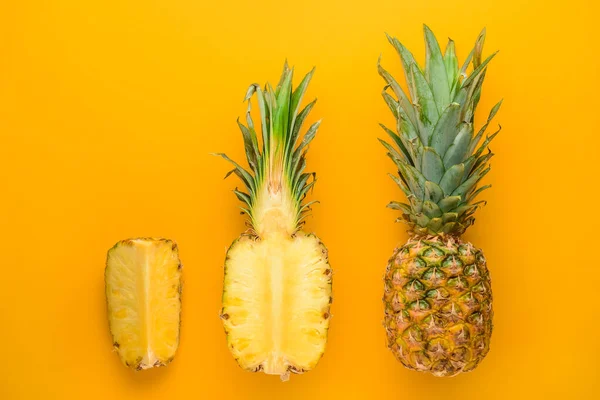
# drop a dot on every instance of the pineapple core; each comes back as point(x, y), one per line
point(143, 291)
point(276, 300)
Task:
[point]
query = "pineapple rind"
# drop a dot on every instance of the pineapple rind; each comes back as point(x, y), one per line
point(143, 290)
point(438, 305)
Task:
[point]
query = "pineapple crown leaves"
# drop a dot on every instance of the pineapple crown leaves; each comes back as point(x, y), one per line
point(440, 158)
point(279, 159)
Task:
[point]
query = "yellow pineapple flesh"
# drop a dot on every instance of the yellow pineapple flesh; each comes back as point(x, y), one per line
point(276, 302)
point(143, 292)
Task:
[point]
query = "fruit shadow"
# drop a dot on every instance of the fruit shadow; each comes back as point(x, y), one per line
point(430, 386)
point(149, 377)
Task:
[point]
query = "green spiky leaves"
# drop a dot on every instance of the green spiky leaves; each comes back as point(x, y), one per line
point(440, 158)
point(277, 177)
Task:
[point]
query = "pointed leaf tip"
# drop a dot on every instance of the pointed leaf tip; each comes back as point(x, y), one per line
point(250, 91)
point(435, 70)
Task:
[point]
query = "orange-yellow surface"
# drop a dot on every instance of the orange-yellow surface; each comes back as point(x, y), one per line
point(109, 110)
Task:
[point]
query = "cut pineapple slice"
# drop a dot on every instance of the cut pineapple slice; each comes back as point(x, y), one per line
point(276, 302)
point(143, 292)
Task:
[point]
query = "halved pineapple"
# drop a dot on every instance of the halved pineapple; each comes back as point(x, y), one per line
point(277, 286)
point(143, 293)
point(276, 302)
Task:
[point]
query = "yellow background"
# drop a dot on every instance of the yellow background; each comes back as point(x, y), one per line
point(109, 110)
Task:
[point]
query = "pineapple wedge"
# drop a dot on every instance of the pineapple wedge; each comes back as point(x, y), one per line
point(143, 293)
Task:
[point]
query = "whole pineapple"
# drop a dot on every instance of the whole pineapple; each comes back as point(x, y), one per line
point(438, 298)
point(277, 286)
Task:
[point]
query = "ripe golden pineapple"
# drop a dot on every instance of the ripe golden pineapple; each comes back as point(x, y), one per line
point(438, 298)
point(277, 285)
point(143, 293)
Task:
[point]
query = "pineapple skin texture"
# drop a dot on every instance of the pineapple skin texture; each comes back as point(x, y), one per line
point(438, 305)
